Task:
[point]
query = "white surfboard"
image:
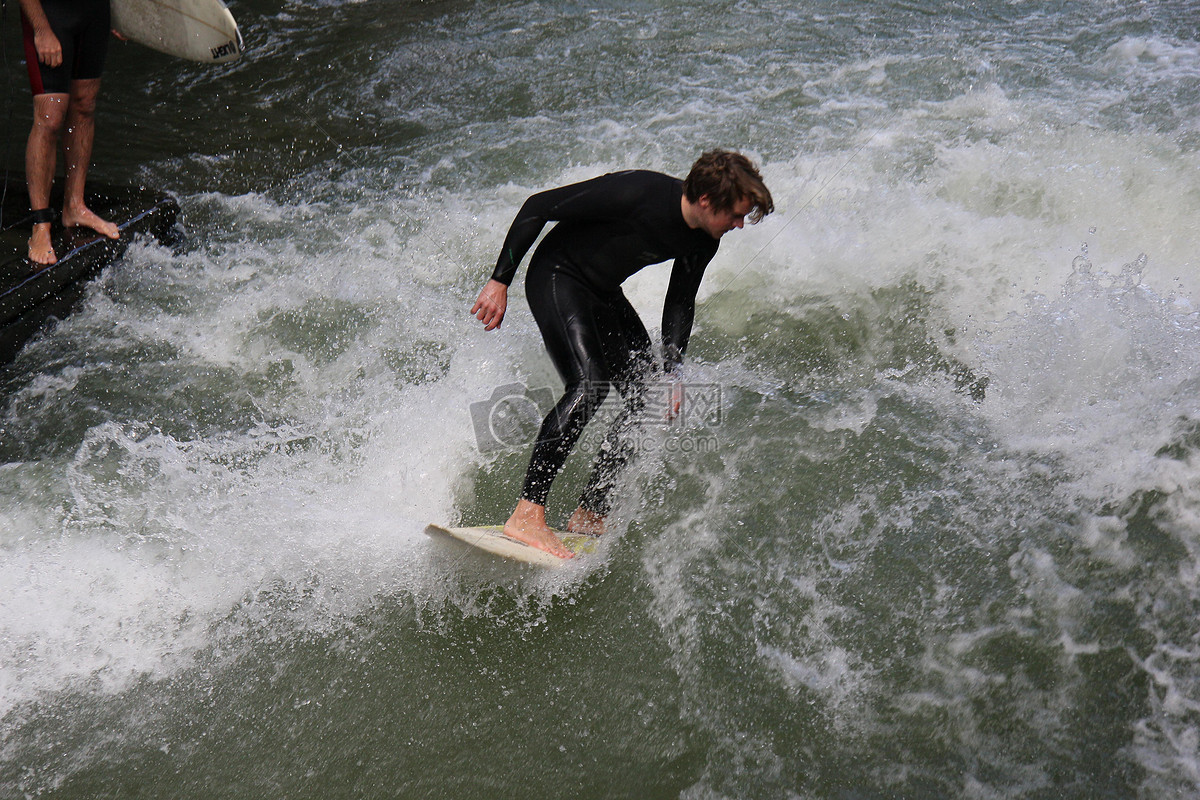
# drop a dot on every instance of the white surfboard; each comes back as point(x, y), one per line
point(491, 539)
point(198, 30)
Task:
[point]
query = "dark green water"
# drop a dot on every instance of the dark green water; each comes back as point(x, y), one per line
point(929, 532)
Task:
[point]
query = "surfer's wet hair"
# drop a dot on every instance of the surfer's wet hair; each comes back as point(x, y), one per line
point(726, 178)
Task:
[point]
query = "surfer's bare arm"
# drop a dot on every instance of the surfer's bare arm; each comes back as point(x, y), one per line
point(491, 305)
point(49, 50)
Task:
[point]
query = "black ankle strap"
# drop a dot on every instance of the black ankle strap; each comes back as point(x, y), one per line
point(40, 215)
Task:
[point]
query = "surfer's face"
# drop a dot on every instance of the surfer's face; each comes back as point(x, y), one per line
point(718, 222)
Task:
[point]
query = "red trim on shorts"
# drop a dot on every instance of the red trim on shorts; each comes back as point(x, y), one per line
point(31, 59)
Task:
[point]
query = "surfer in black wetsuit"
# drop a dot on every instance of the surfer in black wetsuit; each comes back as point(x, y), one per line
point(66, 43)
point(609, 228)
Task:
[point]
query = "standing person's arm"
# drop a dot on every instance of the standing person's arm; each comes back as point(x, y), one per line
point(49, 50)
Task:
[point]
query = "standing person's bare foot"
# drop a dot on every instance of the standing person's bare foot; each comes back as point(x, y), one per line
point(41, 251)
point(528, 524)
point(586, 522)
point(84, 217)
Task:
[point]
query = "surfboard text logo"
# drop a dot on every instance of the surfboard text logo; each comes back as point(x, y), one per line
point(228, 49)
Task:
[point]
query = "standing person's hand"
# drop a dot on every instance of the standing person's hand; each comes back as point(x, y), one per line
point(49, 49)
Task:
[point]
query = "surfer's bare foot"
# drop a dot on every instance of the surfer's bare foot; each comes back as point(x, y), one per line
point(528, 524)
point(40, 249)
point(84, 217)
point(584, 521)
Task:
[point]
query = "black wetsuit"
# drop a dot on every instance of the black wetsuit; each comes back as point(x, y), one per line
point(82, 28)
point(608, 228)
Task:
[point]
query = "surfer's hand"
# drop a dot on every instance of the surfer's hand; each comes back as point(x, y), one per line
point(491, 305)
point(675, 401)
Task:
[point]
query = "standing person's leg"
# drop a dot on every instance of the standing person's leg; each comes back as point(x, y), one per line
point(41, 151)
point(65, 81)
point(49, 80)
point(77, 148)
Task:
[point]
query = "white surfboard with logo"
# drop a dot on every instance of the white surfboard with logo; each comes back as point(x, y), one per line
point(491, 539)
point(197, 30)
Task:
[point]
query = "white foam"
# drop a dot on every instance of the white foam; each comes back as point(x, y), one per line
point(1136, 50)
point(144, 541)
point(150, 534)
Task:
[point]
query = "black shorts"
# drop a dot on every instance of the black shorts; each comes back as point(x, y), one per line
point(82, 28)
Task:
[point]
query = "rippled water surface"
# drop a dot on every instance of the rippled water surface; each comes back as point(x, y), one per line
point(933, 530)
